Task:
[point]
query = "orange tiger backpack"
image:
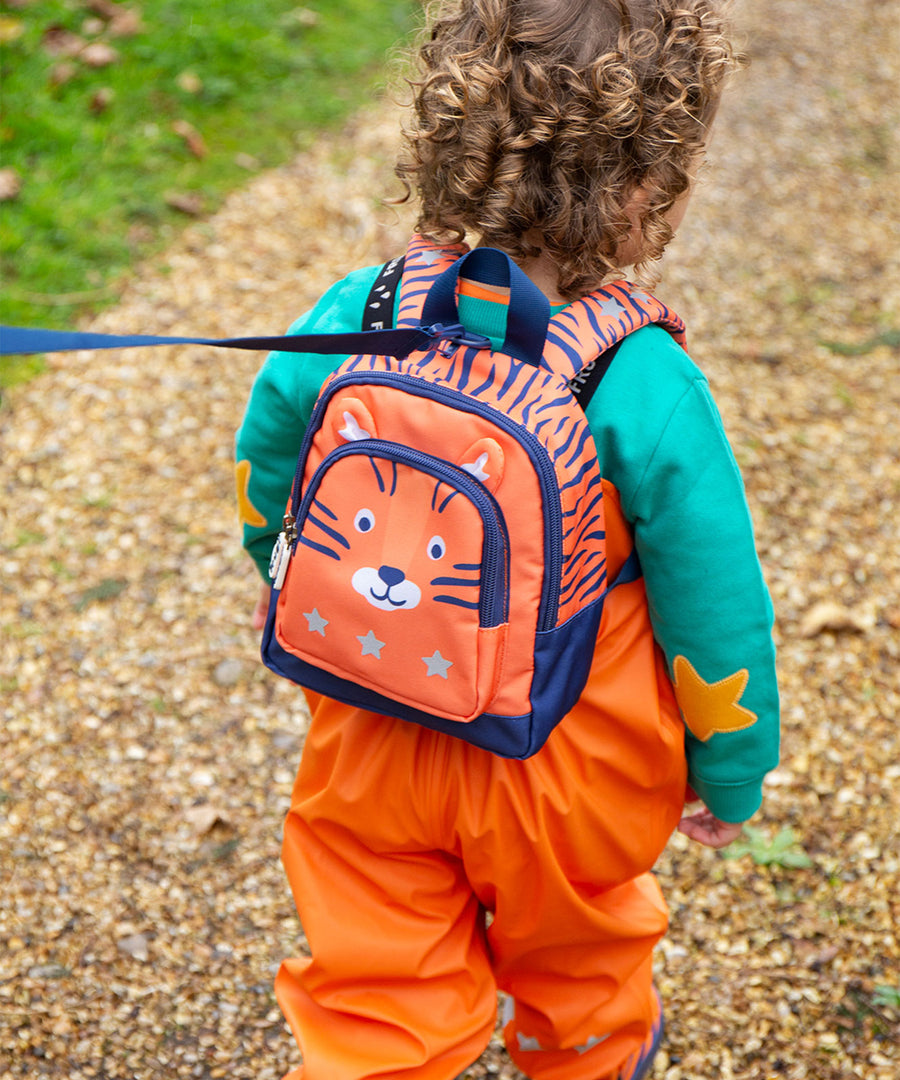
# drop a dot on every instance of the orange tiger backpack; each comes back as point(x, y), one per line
point(443, 554)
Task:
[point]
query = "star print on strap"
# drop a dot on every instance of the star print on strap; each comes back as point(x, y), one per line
point(709, 708)
point(611, 307)
point(437, 665)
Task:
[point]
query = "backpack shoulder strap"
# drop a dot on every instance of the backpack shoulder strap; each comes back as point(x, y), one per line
point(591, 326)
point(584, 385)
point(424, 262)
point(378, 313)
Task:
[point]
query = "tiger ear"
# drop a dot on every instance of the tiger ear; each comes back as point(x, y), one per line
point(352, 421)
point(485, 460)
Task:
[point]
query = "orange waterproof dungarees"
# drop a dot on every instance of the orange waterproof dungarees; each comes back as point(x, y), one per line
point(400, 839)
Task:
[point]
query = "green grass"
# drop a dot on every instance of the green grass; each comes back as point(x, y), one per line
point(255, 78)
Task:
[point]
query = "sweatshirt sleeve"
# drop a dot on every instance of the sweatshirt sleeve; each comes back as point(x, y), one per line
point(709, 605)
point(710, 609)
point(270, 436)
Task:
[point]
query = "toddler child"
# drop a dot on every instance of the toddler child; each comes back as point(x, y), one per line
point(429, 873)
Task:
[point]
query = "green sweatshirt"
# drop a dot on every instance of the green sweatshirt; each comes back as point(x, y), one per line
point(660, 441)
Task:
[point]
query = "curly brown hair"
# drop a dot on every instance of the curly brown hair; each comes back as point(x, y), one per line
point(535, 121)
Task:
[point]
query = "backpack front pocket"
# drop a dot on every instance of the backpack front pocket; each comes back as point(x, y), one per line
point(399, 579)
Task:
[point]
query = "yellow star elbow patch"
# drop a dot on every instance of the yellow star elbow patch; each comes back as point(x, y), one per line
point(247, 512)
point(711, 707)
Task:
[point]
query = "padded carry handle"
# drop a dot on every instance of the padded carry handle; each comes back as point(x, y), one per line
point(529, 309)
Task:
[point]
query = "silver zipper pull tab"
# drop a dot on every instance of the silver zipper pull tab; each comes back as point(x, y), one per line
point(281, 553)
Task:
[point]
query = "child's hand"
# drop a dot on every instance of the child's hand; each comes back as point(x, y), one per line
point(706, 828)
point(262, 607)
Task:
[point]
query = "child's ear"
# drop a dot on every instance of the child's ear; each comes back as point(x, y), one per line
point(484, 460)
point(352, 421)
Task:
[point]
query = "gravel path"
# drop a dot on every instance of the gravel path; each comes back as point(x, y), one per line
point(146, 759)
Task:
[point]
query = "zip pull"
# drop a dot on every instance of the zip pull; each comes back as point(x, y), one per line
point(282, 552)
point(289, 529)
point(457, 334)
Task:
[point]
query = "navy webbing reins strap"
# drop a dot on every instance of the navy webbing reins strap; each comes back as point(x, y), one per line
point(20, 340)
point(378, 336)
point(377, 318)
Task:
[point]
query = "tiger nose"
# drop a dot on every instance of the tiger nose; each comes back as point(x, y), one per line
point(390, 575)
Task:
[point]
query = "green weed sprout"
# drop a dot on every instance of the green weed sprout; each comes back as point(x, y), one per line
point(783, 850)
point(887, 997)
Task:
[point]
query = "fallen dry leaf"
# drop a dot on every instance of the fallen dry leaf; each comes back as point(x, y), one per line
point(57, 41)
point(98, 54)
point(10, 184)
point(135, 946)
point(828, 615)
point(189, 82)
point(106, 9)
point(126, 23)
point(63, 72)
point(303, 16)
point(203, 819)
point(190, 203)
point(93, 27)
point(192, 137)
point(102, 99)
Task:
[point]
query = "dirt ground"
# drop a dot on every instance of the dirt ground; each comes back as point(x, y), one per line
point(146, 758)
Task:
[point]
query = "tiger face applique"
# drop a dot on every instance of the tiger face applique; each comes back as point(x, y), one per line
point(391, 539)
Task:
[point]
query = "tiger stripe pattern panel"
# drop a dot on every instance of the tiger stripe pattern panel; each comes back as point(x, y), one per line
point(540, 398)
